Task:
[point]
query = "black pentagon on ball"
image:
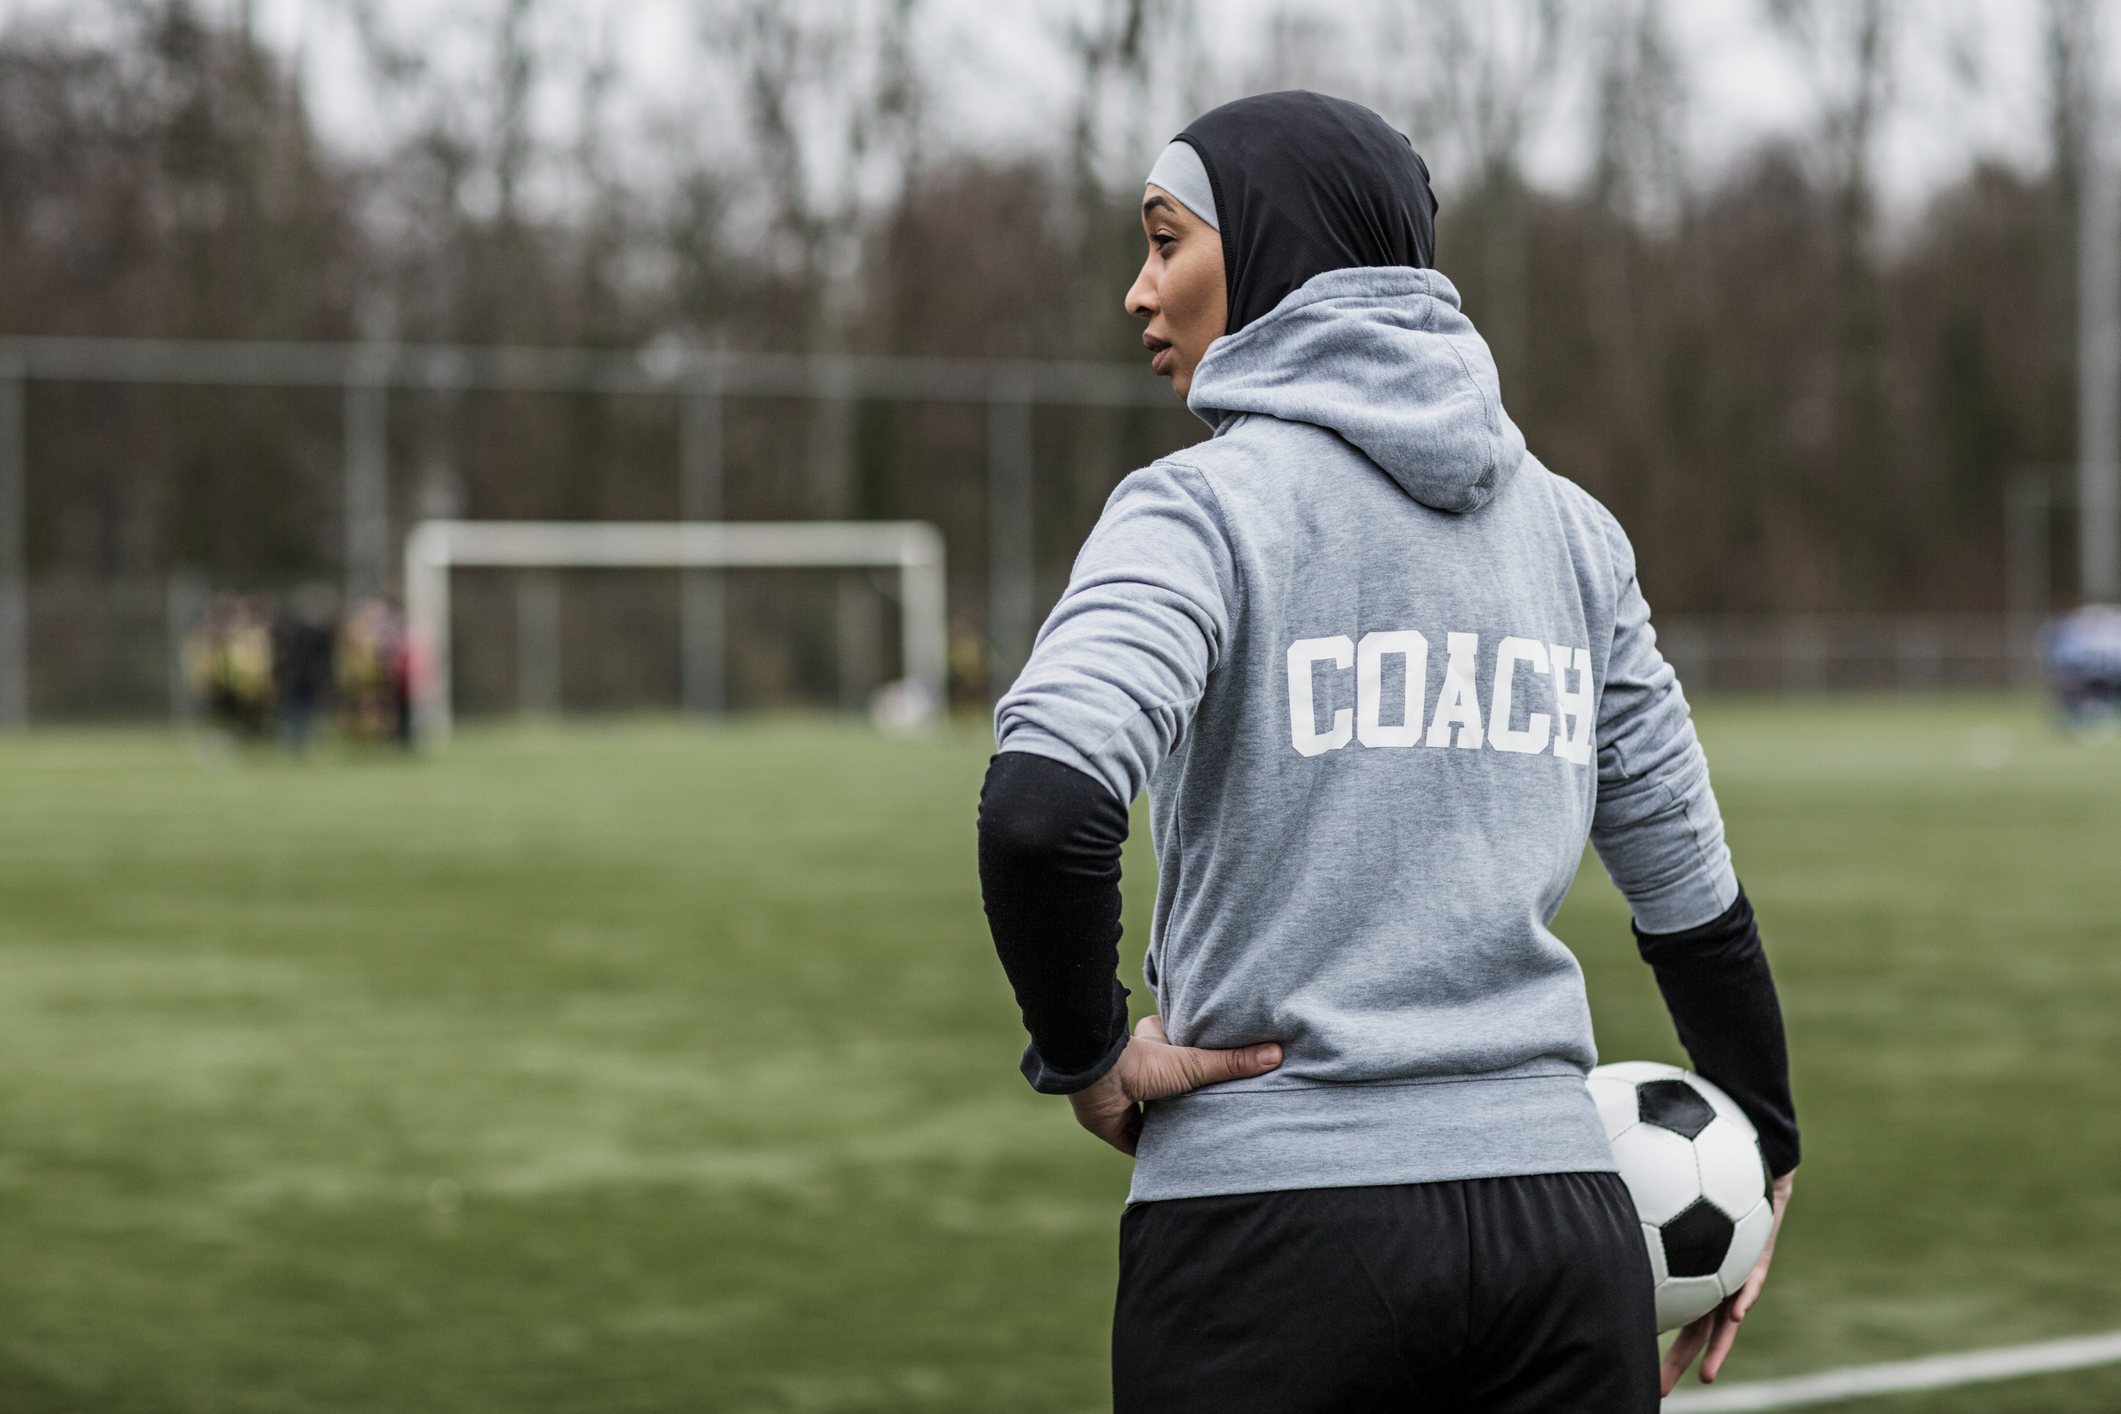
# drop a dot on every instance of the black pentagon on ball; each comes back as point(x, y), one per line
point(1697, 1241)
point(1673, 1105)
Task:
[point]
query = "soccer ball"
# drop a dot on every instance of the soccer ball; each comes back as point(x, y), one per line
point(1692, 1162)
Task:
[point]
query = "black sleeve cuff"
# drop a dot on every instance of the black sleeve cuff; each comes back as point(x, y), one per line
point(1048, 1081)
point(1722, 998)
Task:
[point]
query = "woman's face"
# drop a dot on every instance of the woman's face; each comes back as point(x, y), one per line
point(1180, 289)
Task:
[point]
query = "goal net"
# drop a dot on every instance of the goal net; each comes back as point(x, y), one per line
point(913, 548)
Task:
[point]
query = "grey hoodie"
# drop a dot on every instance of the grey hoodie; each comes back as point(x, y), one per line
point(1382, 674)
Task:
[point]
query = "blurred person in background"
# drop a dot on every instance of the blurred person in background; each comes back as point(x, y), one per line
point(228, 661)
point(1382, 675)
point(375, 675)
point(305, 649)
point(2083, 654)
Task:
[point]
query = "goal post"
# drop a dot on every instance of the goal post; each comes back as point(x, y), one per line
point(435, 547)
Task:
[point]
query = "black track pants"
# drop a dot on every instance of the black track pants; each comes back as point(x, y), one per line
point(1497, 1295)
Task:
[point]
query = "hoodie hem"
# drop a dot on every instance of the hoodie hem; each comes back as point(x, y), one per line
point(1348, 1136)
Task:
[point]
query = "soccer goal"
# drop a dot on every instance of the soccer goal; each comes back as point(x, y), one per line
point(913, 548)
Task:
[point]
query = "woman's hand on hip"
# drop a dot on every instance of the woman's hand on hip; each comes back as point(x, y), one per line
point(1151, 1068)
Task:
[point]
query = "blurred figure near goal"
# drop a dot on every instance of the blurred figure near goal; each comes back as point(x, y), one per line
point(228, 661)
point(375, 675)
point(304, 647)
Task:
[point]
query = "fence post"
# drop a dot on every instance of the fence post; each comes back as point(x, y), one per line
point(537, 643)
point(186, 597)
point(2099, 352)
point(14, 560)
point(856, 628)
point(1805, 652)
point(367, 473)
point(1009, 542)
point(700, 603)
point(1918, 653)
point(428, 550)
point(2027, 536)
point(924, 635)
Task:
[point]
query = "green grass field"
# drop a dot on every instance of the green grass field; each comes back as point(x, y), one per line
point(654, 1068)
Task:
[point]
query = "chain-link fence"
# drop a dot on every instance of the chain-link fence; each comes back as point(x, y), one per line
point(586, 641)
point(1852, 652)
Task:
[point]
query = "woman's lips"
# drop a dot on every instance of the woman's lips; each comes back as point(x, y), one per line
point(1163, 357)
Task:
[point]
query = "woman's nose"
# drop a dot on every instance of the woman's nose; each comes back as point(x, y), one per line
point(1141, 296)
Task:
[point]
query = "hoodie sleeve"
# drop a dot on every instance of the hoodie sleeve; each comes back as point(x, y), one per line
point(1660, 836)
point(1656, 828)
point(1125, 656)
point(1110, 687)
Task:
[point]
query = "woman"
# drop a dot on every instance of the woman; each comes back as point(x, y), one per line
point(1382, 674)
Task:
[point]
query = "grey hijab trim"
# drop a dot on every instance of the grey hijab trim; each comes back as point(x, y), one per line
point(1180, 172)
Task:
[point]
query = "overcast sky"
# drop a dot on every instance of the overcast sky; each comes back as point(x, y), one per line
point(1969, 79)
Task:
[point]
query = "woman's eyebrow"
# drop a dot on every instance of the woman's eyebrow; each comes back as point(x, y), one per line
point(1158, 200)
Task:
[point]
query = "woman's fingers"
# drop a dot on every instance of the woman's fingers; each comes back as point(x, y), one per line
point(1684, 1349)
point(1161, 1072)
point(1734, 1310)
point(1153, 1069)
point(1713, 1335)
point(1742, 1300)
point(1721, 1339)
point(1106, 1111)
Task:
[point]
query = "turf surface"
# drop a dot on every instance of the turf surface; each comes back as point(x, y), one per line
point(652, 1068)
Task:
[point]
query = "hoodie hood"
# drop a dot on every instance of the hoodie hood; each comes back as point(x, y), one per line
point(1382, 356)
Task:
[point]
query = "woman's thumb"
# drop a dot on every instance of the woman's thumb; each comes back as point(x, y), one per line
point(1238, 1064)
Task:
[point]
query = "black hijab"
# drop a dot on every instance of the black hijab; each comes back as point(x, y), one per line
point(1304, 184)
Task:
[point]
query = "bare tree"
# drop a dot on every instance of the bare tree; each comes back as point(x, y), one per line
point(1638, 172)
point(1846, 47)
point(2070, 30)
point(1637, 183)
point(1114, 48)
point(2070, 33)
point(1486, 74)
point(1116, 51)
point(515, 73)
point(834, 101)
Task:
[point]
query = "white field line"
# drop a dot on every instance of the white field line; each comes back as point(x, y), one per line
point(1937, 1372)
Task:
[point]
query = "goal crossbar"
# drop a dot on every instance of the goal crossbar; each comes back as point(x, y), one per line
point(435, 547)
